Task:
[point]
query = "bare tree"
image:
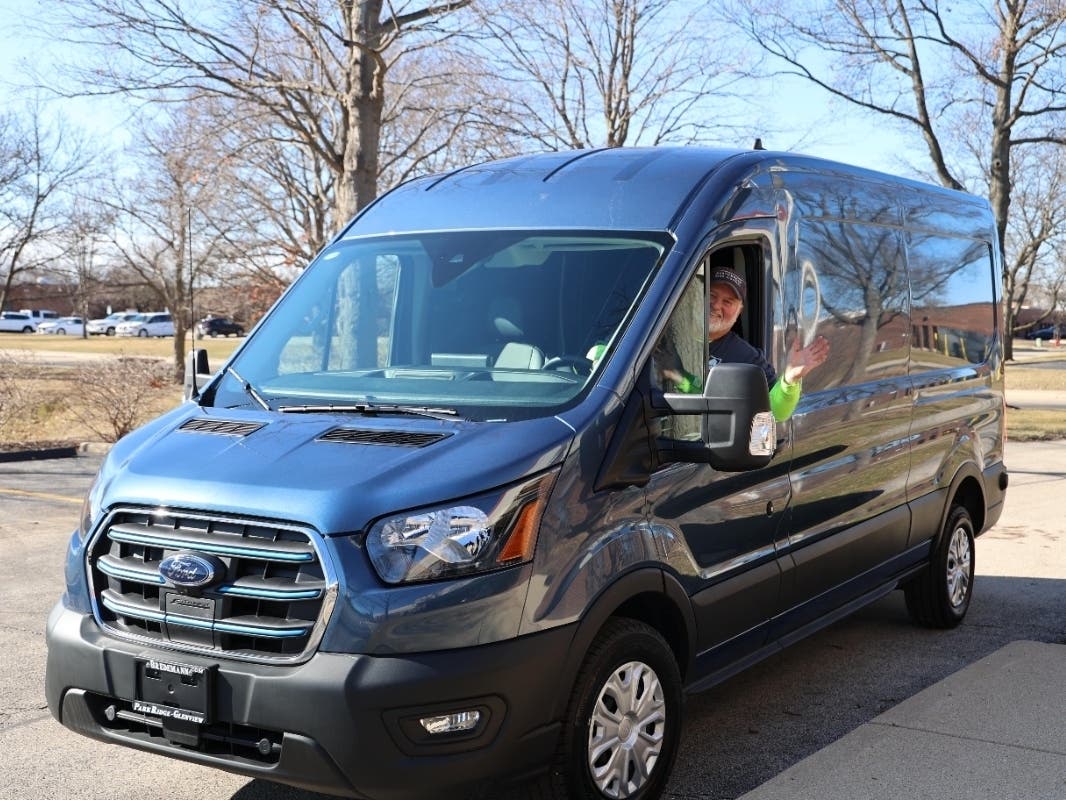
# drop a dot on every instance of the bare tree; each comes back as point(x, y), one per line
point(318, 68)
point(172, 216)
point(435, 118)
point(280, 194)
point(935, 69)
point(117, 393)
point(1036, 233)
point(80, 257)
point(587, 73)
point(39, 163)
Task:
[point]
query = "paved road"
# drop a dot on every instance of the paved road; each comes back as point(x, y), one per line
point(737, 736)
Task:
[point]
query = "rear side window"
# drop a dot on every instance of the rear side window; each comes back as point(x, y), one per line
point(854, 292)
point(953, 287)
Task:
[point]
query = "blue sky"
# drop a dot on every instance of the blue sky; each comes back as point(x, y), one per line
point(799, 117)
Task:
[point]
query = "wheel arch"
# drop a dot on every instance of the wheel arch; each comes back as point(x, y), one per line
point(649, 595)
point(967, 490)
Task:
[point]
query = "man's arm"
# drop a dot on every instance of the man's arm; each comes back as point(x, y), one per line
point(785, 393)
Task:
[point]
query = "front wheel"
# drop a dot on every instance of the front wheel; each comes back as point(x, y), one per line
point(940, 596)
point(142, 333)
point(624, 718)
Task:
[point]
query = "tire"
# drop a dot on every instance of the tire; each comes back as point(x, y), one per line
point(616, 744)
point(61, 332)
point(940, 596)
point(27, 329)
point(110, 332)
point(143, 333)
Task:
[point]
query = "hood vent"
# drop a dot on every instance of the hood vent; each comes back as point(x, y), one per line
point(395, 438)
point(222, 427)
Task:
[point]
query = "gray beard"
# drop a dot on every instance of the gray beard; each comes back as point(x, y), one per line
point(717, 329)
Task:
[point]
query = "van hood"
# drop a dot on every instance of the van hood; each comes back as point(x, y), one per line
point(336, 473)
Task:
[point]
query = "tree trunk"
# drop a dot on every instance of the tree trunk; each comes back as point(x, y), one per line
point(357, 185)
point(999, 171)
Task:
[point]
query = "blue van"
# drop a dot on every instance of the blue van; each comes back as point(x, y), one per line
point(439, 523)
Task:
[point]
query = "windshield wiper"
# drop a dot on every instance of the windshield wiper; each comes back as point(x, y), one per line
point(249, 389)
point(371, 408)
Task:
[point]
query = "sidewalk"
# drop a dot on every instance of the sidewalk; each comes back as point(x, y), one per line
point(995, 730)
point(1036, 399)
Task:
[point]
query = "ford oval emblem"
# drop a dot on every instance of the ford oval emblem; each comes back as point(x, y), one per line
point(191, 570)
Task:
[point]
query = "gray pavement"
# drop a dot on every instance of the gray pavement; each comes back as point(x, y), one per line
point(871, 707)
point(995, 730)
point(1036, 399)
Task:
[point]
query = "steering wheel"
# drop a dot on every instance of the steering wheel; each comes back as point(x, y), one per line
point(579, 365)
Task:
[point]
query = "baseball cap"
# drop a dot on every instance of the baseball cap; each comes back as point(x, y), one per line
point(731, 278)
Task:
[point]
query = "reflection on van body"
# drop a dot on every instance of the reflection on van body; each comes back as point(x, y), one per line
point(442, 524)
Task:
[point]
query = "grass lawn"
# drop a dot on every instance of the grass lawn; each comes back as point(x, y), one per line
point(54, 389)
point(218, 349)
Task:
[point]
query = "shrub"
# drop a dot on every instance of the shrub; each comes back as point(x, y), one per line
point(116, 395)
point(13, 398)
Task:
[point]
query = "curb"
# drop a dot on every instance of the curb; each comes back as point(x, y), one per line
point(39, 455)
point(94, 448)
point(69, 451)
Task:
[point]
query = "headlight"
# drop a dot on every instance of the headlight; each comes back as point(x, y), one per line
point(90, 509)
point(477, 535)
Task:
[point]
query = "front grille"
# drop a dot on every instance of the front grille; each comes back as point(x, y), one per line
point(269, 602)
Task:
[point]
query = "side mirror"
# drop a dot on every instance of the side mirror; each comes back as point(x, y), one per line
point(739, 431)
point(197, 372)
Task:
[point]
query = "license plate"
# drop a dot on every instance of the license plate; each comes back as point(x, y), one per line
point(173, 691)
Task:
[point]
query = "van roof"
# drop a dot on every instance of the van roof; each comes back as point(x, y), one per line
point(626, 188)
point(616, 188)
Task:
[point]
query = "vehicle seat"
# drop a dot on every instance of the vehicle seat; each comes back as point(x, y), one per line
point(518, 355)
point(515, 353)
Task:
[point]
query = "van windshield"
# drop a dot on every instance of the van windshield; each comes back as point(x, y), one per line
point(493, 325)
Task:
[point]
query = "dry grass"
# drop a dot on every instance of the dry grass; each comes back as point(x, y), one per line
point(1035, 425)
point(217, 349)
point(38, 399)
point(1048, 380)
point(52, 393)
point(51, 405)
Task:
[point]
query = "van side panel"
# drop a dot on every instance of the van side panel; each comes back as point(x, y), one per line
point(955, 363)
point(847, 281)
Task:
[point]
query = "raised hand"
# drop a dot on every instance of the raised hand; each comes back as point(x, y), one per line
point(801, 361)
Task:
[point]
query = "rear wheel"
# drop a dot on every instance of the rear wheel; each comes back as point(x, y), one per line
point(624, 719)
point(940, 596)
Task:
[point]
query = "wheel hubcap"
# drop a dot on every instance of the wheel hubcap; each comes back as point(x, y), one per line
point(960, 567)
point(626, 730)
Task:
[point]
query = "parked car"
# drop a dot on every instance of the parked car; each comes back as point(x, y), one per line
point(17, 322)
point(63, 326)
point(106, 326)
point(218, 326)
point(151, 324)
point(1044, 332)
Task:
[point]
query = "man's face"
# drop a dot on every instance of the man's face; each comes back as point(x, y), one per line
point(723, 308)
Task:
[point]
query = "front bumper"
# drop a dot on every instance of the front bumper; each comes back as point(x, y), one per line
point(341, 724)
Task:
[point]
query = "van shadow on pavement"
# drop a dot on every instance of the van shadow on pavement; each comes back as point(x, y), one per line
point(745, 731)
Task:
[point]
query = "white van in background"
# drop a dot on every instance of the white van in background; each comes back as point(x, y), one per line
point(39, 315)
